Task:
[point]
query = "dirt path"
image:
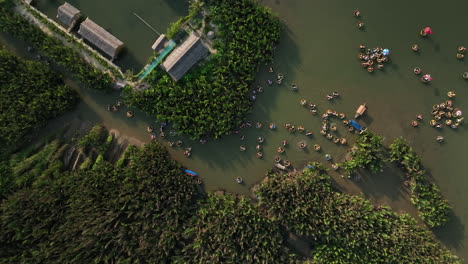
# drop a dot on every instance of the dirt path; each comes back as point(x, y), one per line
point(86, 52)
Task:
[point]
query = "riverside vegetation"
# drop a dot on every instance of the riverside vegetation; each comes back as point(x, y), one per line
point(141, 209)
point(432, 207)
point(211, 99)
point(53, 49)
point(30, 94)
point(369, 153)
point(144, 209)
point(344, 228)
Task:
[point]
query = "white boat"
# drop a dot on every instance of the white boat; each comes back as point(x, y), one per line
point(280, 166)
point(360, 111)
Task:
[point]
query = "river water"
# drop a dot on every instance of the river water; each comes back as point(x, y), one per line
point(319, 51)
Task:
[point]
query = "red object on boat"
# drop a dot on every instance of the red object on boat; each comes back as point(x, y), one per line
point(428, 31)
point(428, 77)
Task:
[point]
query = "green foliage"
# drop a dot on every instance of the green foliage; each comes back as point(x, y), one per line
point(317, 167)
point(26, 171)
point(367, 153)
point(28, 219)
point(105, 147)
point(30, 95)
point(296, 200)
point(145, 212)
point(129, 152)
point(174, 28)
point(133, 214)
point(99, 161)
point(227, 229)
point(86, 163)
point(401, 152)
point(212, 98)
point(148, 211)
point(345, 228)
point(94, 138)
point(48, 46)
point(194, 9)
point(432, 207)
point(6, 178)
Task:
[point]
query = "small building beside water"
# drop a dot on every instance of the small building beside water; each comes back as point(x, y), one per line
point(68, 15)
point(184, 57)
point(100, 38)
point(160, 43)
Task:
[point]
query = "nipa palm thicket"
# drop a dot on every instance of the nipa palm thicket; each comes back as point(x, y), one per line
point(212, 98)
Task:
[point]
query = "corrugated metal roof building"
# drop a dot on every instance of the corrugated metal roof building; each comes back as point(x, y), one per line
point(68, 15)
point(100, 38)
point(185, 57)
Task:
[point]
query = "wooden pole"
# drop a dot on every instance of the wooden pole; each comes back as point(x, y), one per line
point(146, 23)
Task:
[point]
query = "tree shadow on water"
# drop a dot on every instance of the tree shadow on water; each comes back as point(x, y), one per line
point(388, 183)
point(452, 233)
point(179, 6)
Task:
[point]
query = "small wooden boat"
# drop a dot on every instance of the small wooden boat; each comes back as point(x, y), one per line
point(360, 111)
point(191, 173)
point(280, 166)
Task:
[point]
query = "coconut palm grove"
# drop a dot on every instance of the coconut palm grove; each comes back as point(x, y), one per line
point(75, 189)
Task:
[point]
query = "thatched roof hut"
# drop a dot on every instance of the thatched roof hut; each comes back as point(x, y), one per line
point(159, 43)
point(68, 15)
point(185, 57)
point(99, 37)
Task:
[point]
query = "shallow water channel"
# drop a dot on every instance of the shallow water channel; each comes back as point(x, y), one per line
point(319, 52)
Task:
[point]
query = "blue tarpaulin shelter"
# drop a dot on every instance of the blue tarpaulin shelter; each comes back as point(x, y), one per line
point(355, 124)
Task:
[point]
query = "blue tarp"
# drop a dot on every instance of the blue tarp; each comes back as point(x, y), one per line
point(355, 124)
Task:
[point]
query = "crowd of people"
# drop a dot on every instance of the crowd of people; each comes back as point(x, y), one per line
point(371, 57)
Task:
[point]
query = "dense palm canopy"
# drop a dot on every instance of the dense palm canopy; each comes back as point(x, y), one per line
point(346, 229)
point(227, 229)
point(367, 153)
point(30, 94)
point(127, 214)
point(212, 98)
point(53, 49)
point(144, 210)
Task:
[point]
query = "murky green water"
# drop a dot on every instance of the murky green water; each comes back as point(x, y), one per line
point(319, 53)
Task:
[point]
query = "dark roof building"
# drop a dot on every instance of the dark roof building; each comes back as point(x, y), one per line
point(100, 38)
point(159, 43)
point(185, 57)
point(68, 15)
